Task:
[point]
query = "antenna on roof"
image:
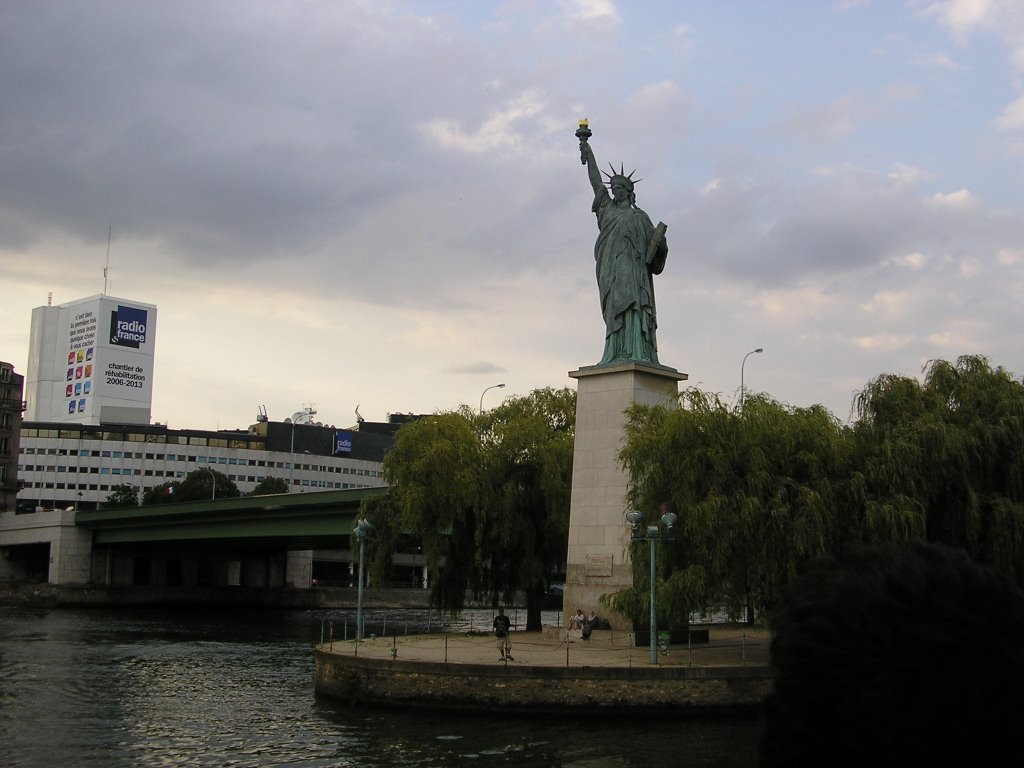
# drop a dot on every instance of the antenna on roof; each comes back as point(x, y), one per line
point(305, 416)
point(107, 267)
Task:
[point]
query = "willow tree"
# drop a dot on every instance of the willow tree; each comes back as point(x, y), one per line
point(950, 451)
point(757, 492)
point(434, 473)
point(485, 495)
point(528, 447)
point(760, 491)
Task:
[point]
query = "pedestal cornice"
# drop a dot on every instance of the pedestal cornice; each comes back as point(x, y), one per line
point(629, 367)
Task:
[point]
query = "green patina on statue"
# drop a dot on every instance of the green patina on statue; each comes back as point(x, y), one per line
point(629, 251)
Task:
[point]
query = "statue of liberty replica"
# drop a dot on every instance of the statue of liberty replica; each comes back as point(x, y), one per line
point(629, 251)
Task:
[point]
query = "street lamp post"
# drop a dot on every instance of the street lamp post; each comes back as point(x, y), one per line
point(291, 460)
point(757, 351)
point(493, 386)
point(652, 535)
point(363, 531)
point(213, 482)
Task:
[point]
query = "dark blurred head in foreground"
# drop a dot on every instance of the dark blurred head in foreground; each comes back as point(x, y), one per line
point(897, 655)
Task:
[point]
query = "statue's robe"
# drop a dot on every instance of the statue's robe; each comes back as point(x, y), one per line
point(626, 263)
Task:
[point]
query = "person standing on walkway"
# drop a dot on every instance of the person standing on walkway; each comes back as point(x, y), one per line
point(501, 630)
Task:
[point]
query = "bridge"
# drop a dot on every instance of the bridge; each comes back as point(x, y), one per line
point(251, 540)
point(288, 520)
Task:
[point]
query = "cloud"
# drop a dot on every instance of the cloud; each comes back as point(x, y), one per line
point(912, 260)
point(386, 200)
point(829, 122)
point(602, 12)
point(963, 17)
point(883, 341)
point(1003, 18)
point(497, 131)
point(1012, 117)
point(886, 302)
point(909, 174)
point(476, 368)
point(795, 305)
point(960, 200)
point(938, 60)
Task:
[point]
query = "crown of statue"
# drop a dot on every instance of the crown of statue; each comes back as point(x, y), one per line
point(621, 174)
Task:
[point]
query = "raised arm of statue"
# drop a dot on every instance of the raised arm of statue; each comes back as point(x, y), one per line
point(592, 170)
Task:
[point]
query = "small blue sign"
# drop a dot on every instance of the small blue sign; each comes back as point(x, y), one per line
point(342, 442)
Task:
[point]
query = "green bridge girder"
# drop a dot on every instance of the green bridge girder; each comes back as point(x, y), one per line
point(317, 520)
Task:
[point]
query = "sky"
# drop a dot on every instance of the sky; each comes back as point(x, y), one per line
point(380, 205)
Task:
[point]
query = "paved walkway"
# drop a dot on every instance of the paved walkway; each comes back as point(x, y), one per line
point(728, 646)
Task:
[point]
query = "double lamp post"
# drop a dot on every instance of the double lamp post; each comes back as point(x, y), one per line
point(651, 534)
point(363, 531)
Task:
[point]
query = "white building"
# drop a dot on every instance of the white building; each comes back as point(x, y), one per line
point(76, 466)
point(86, 430)
point(91, 362)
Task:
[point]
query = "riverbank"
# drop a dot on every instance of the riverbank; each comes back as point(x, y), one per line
point(84, 596)
point(550, 673)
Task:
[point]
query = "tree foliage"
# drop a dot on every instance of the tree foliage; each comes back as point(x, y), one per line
point(755, 493)
point(487, 497)
point(123, 495)
point(761, 491)
point(270, 485)
point(434, 476)
point(951, 451)
point(197, 485)
point(528, 445)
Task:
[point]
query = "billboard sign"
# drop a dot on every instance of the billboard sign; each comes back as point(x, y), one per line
point(105, 351)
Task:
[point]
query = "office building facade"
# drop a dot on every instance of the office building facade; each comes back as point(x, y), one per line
point(12, 403)
point(77, 466)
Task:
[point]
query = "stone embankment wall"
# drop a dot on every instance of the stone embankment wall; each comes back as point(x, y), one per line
point(77, 596)
point(361, 680)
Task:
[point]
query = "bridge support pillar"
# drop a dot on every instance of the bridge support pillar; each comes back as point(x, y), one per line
point(70, 556)
point(299, 569)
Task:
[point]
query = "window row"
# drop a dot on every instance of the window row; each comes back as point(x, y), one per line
point(252, 479)
point(253, 442)
point(226, 460)
point(195, 460)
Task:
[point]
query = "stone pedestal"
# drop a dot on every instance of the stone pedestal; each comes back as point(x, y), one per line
point(598, 558)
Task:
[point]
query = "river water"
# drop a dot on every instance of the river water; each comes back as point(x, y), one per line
point(186, 687)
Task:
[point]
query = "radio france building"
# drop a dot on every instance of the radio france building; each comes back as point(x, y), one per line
point(77, 466)
point(86, 429)
point(91, 362)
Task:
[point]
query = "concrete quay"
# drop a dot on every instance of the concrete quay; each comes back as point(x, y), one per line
point(550, 672)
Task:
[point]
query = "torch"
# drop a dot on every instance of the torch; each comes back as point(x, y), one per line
point(583, 133)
